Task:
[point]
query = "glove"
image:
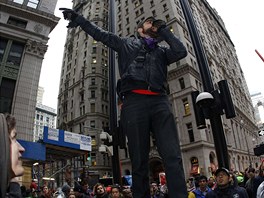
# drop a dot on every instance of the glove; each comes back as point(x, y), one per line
point(70, 15)
point(159, 24)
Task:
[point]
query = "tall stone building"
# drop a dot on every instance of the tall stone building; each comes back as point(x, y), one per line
point(258, 104)
point(83, 99)
point(25, 27)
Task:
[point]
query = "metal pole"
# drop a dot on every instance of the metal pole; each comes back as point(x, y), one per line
point(113, 98)
point(215, 117)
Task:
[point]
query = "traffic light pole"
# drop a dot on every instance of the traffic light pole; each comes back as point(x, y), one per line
point(214, 114)
point(113, 102)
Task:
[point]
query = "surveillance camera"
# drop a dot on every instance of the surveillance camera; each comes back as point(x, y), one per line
point(204, 99)
point(103, 136)
point(102, 149)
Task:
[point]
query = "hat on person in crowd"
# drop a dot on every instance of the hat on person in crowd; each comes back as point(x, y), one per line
point(33, 186)
point(251, 170)
point(66, 188)
point(240, 178)
point(78, 188)
point(222, 170)
point(5, 161)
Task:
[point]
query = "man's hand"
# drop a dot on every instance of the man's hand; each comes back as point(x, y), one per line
point(70, 15)
point(158, 24)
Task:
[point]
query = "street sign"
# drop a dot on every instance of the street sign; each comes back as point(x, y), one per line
point(67, 139)
point(261, 133)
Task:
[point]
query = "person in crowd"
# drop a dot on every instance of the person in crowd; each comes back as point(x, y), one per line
point(258, 180)
point(79, 191)
point(249, 183)
point(233, 179)
point(87, 192)
point(45, 192)
point(116, 192)
point(202, 189)
point(10, 158)
point(72, 195)
point(66, 189)
point(99, 191)
point(224, 188)
point(146, 108)
point(260, 191)
point(211, 183)
point(127, 193)
point(190, 184)
point(246, 176)
point(240, 178)
point(155, 191)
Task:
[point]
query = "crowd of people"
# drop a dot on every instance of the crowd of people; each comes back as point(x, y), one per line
point(78, 191)
point(223, 184)
point(228, 184)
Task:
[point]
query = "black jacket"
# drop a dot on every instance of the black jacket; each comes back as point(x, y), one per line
point(14, 191)
point(149, 72)
point(229, 192)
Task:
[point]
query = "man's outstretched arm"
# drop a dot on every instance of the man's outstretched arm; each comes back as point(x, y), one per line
point(111, 40)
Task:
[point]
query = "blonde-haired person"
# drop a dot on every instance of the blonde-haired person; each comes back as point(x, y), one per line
point(10, 158)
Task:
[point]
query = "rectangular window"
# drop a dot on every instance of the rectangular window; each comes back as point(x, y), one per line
point(94, 60)
point(167, 17)
point(190, 132)
point(3, 43)
point(92, 123)
point(186, 106)
point(165, 7)
point(33, 3)
point(17, 22)
point(92, 94)
point(94, 50)
point(154, 13)
point(182, 84)
point(18, 1)
point(15, 53)
point(7, 89)
point(93, 81)
point(92, 107)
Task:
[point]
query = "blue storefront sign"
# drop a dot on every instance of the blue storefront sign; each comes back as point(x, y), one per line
point(33, 150)
point(66, 139)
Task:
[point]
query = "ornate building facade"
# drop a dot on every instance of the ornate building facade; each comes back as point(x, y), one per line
point(83, 101)
point(25, 27)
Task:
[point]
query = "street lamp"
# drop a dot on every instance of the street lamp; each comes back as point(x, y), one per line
point(113, 100)
point(211, 108)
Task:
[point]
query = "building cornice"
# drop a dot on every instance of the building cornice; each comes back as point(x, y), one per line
point(26, 12)
point(183, 69)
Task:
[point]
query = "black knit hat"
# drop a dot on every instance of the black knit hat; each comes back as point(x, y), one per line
point(140, 24)
point(5, 161)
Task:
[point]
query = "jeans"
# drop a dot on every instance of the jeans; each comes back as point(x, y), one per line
point(141, 115)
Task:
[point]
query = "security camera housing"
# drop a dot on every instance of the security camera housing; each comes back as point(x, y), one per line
point(103, 136)
point(102, 149)
point(204, 99)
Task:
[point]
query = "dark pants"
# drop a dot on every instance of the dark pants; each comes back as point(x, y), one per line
point(141, 114)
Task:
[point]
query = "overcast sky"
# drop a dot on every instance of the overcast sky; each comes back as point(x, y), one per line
point(243, 21)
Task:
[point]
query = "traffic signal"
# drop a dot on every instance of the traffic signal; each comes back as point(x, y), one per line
point(259, 149)
point(88, 157)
